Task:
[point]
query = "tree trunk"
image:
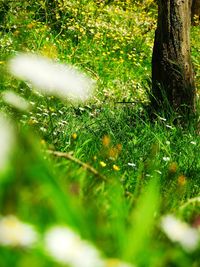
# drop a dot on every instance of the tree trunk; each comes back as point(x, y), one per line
point(172, 73)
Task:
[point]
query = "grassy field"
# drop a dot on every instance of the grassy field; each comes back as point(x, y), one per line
point(95, 183)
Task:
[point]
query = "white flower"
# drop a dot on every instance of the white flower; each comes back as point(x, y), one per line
point(180, 232)
point(193, 142)
point(162, 119)
point(13, 232)
point(166, 158)
point(6, 141)
point(158, 171)
point(15, 100)
point(131, 164)
point(169, 126)
point(66, 247)
point(52, 78)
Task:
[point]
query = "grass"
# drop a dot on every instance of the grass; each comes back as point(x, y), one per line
point(144, 170)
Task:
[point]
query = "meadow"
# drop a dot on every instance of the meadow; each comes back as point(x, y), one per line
point(96, 182)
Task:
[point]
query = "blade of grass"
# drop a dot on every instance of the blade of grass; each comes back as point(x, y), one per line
point(142, 221)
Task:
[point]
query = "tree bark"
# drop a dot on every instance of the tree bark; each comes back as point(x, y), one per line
point(172, 73)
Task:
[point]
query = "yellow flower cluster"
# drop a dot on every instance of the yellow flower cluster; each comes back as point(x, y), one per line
point(110, 153)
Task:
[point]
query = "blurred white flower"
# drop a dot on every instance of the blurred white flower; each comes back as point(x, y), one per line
point(166, 158)
point(193, 142)
point(162, 119)
point(15, 100)
point(180, 232)
point(52, 78)
point(158, 171)
point(131, 164)
point(6, 141)
point(169, 126)
point(66, 247)
point(13, 232)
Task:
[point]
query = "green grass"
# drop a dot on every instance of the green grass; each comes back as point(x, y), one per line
point(144, 169)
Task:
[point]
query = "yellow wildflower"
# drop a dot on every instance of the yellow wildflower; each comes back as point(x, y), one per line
point(52, 109)
point(117, 263)
point(102, 163)
point(32, 122)
point(116, 168)
point(49, 50)
point(115, 151)
point(74, 136)
point(31, 25)
point(42, 142)
point(16, 33)
point(106, 140)
point(182, 180)
point(119, 147)
point(173, 167)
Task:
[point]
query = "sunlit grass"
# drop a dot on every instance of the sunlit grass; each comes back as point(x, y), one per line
point(118, 188)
